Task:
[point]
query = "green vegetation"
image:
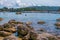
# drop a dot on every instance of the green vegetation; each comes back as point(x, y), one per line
point(33, 8)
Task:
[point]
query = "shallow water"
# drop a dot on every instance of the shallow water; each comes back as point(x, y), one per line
point(49, 18)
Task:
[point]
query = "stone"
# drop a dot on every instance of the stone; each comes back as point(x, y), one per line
point(29, 27)
point(41, 30)
point(18, 13)
point(41, 22)
point(19, 22)
point(58, 19)
point(12, 30)
point(28, 23)
point(10, 38)
point(12, 21)
point(1, 28)
point(52, 38)
point(46, 36)
point(4, 33)
point(57, 25)
point(22, 31)
point(7, 25)
point(1, 19)
point(33, 36)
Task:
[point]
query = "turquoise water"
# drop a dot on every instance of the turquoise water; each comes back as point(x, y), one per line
point(49, 18)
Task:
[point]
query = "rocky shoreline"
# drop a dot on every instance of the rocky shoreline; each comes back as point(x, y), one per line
point(25, 31)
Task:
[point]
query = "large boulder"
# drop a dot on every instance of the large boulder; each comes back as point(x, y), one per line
point(9, 28)
point(22, 31)
point(33, 36)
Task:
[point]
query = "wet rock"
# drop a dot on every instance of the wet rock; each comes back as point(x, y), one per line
point(28, 23)
point(57, 25)
point(4, 34)
point(41, 22)
point(41, 30)
point(58, 19)
point(10, 38)
point(1, 19)
point(18, 13)
point(22, 31)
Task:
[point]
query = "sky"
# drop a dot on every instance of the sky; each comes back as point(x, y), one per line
point(25, 3)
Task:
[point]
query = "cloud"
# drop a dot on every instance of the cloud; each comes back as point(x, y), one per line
point(24, 3)
point(7, 3)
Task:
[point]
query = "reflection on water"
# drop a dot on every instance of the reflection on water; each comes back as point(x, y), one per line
point(49, 18)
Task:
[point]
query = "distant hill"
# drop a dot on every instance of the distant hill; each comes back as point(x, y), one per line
point(32, 8)
point(44, 7)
